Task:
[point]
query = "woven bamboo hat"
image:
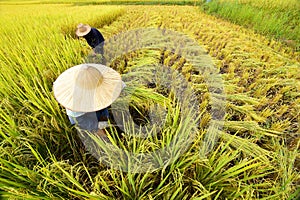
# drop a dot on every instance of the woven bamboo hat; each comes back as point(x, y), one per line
point(87, 87)
point(82, 29)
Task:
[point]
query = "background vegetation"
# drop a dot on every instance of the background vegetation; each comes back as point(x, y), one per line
point(276, 19)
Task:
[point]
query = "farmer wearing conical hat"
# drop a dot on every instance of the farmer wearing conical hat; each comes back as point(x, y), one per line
point(86, 91)
point(93, 37)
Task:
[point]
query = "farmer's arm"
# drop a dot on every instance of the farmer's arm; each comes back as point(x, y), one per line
point(99, 37)
point(94, 38)
point(87, 122)
point(90, 122)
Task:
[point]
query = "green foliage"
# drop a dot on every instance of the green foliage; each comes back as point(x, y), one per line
point(271, 19)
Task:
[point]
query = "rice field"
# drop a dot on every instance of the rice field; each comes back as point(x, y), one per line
point(256, 153)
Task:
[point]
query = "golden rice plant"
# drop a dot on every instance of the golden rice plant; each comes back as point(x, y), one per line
point(43, 157)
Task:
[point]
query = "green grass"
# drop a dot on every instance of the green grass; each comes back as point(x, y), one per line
point(271, 19)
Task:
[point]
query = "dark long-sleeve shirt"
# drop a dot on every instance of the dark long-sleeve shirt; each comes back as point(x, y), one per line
point(94, 38)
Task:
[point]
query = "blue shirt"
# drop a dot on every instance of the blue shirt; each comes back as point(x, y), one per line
point(87, 121)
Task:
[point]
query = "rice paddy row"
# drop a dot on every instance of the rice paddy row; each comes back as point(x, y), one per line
point(258, 71)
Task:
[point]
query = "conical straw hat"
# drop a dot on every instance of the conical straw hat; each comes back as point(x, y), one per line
point(87, 87)
point(82, 29)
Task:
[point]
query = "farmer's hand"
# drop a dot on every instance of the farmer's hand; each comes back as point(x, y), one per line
point(101, 133)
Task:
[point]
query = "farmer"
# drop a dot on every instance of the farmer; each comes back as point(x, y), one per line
point(86, 91)
point(93, 37)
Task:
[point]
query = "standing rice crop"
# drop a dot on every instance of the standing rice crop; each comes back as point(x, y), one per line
point(42, 157)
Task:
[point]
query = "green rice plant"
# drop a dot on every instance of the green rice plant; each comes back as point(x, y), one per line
point(31, 65)
point(286, 159)
point(269, 4)
point(218, 172)
point(271, 18)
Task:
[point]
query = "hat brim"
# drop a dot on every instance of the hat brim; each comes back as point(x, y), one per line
point(80, 34)
point(75, 96)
